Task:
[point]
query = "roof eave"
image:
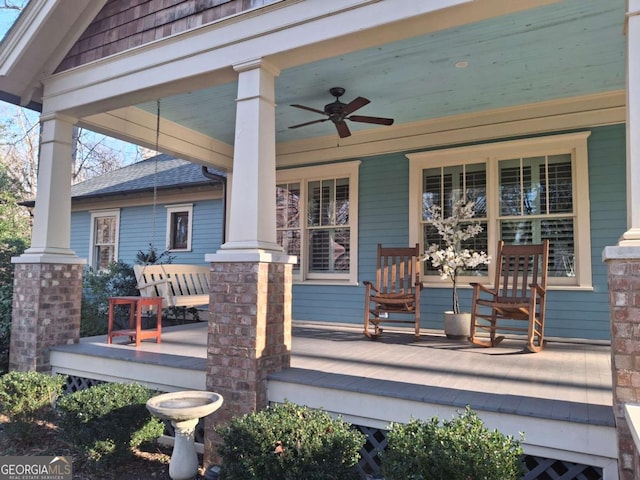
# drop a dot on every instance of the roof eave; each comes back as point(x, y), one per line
point(37, 42)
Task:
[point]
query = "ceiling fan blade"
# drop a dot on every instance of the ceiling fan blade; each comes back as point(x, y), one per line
point(343, 130)
point(376, 120)
point(309, 123)
point(309, 108)
point(354, 105)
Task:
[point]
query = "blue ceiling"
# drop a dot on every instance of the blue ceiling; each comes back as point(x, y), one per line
point(567, 49)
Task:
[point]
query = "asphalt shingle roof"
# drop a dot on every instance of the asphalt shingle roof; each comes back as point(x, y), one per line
point(161, 171)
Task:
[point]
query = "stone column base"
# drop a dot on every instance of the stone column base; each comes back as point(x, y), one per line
point(249, 338)
point(624, 305)
point(46, 312)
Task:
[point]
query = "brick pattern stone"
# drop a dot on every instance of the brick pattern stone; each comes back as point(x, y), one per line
point(125, 24)
point(46, 312)
point(624, 303)
point(249, 338)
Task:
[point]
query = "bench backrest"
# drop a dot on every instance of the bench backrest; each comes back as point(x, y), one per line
point(172, 280)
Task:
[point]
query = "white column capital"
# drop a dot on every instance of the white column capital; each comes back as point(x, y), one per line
point(49, 116)
point(260, 63)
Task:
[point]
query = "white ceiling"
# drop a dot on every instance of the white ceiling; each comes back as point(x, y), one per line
point(565, 49)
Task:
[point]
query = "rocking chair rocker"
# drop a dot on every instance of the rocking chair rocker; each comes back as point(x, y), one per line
point(519, 294)
point(396, 292)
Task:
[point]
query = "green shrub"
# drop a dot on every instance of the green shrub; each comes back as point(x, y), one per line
point(25, 398)
point(459, 449)
point(289, 442)
point(109, 419)
point(97, 286)
point(9, 247)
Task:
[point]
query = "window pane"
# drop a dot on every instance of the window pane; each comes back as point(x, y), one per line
point(105, 230)
point(179, 230)
point(558, 231)
point(561, 246)
point(342, 202)
point(329, 250)
point(288, 205)
point(314, 204)
point(476, 188)
point(432, 190)
point(290, 241)
point(517, 194)
point(560, 186)
point(517, 232)
point(452, 186)
point(105, 255)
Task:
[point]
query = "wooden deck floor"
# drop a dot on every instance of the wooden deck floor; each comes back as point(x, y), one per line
point(561, 398)
point(568, 381)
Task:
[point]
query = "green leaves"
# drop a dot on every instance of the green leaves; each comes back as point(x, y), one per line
point(289, 442)
point(458, 449)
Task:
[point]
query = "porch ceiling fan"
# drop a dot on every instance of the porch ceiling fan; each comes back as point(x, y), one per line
point(338, 112)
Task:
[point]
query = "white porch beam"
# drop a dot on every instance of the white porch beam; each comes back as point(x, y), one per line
point(632, 236)
point(137, 126)
point(287, 34)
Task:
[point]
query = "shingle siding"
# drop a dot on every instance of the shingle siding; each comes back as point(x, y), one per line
point(125, 24)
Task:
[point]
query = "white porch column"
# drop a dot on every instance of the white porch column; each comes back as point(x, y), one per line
point(252, 216)
point(632, 236)
point(51, 236)
point(47, 289)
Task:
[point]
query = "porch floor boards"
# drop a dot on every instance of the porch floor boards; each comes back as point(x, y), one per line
point(567, 381)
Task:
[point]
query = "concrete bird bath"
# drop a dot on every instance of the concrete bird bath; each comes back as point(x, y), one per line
point(184, 409)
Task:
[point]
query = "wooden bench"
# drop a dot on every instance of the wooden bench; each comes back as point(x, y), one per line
point(180, 285)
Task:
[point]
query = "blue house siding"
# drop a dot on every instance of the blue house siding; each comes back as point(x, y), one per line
point(80, 233)
point(383, 215)
point(138, 232)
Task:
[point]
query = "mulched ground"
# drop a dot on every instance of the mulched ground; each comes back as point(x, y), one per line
point(148, 463)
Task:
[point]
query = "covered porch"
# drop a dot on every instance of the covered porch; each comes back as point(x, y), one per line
point(561, 399)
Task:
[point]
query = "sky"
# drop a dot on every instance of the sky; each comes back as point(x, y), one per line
point(8, 16)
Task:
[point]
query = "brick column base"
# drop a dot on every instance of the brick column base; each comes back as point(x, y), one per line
point(46, 312)
point(624, 304)
point(249, 338)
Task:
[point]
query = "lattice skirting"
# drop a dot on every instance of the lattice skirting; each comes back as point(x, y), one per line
point(536, 468)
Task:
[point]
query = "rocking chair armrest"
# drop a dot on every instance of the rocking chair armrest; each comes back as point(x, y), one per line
point(480, 287)
point(539, 289)
point(371, 286)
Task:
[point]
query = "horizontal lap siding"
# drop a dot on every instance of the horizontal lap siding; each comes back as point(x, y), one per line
point(80, 233)
point(383, 218)
point(138, 232)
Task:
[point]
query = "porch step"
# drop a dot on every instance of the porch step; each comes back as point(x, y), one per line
point(163, 372)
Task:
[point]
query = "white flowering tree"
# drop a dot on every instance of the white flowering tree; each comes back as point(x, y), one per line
point(450, 258)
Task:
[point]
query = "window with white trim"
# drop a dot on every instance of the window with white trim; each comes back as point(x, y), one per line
point(525, 191)
point(317, 221)
point(105, 226)
point(179, 227)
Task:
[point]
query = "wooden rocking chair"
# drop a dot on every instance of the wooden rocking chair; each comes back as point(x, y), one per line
point(519, 294)
point(396, 292)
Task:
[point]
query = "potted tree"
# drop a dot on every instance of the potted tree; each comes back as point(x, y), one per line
point(451, 258)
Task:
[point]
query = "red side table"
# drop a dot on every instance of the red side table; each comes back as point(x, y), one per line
point(136, 307)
